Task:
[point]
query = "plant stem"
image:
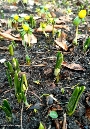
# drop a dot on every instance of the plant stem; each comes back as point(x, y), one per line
point(76, 35)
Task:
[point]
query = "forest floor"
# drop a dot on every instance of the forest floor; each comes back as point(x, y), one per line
point(40, 75)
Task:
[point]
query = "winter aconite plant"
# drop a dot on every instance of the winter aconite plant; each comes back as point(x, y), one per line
point(79, 19)
point(71, 106)
point(26, 30)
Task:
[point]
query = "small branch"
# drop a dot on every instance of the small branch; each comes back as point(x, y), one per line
point(35, 95)
point(64, 122)
point(21, 115)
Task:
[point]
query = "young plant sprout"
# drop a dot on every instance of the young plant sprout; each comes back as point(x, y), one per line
point(71, 106)
point(28, 60)
point(11, 68)
point(11, 48)
point(79, 19)
point(20, 84)
point(86, 44)
point(15, 64)
point(62, 90)
point(32, 21)
point(11, 51)
point(52, 21)
point(7, 109)
point(58, 65)
point(2, 14)
point(41, 126)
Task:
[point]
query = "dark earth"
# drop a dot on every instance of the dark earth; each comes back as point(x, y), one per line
point(43, 58)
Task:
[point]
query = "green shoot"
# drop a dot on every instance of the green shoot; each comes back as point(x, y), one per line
point(15, 64)
point(7, 109)
point(28, 60)
point(86, 44)
point(11, 51)
point(62, 90)
point(20, 84)
point(58, 65)
point(41, 126)
point(71, 106)
point(9, 77)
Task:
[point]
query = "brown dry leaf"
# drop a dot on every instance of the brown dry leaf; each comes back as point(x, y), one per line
point(30, 38)
point(8, 31)
point(62, 44)
point(9, 37)
point(62, 27)
point(87, 114)
point(65, 18)
point(49, 28)
point(4, 21)
point(53, 14)
point(73, 66)
point(58, 21)
point(61, 41)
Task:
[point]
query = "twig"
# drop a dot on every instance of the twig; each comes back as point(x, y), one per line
point(21, 116)
point(64, 122)
point(35, 95)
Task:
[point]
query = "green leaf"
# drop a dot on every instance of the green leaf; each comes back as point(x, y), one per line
point(41, 126)
point(53, 114)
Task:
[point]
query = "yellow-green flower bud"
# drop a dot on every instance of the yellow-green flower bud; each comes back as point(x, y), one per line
point(16, 17)
point(82, 14)
point(25, 27)
point(27, 17)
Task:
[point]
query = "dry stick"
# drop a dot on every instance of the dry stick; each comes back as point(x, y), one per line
point(21, 116)
point(35, 95)
point(64, 122)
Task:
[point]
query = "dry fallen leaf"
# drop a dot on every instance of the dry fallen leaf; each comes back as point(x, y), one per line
point(30, 38)
point(62, 44)
point(73, 66)
point(9, 37)
point(61, 41)
point(58, 21)
point(49, 28)
point(87, 114)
